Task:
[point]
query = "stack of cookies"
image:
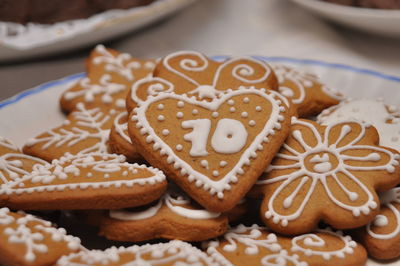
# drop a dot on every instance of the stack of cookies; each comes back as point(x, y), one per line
point(222, 154)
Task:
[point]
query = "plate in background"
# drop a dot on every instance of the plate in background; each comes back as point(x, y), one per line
point(376, 21)
point(37, 40)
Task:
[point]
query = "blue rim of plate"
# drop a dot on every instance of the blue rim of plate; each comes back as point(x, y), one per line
point(73, 77)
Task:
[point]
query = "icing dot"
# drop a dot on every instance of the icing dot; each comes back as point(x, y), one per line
point(179, 114)
point(120, 103)
point(180, 104)
point(244, 114)
point(179, 147)
point(195, 111)
point(231, 102)
point(258, 108)
point(160, 106)
point(165, 132)
point(252, 123)
point(89, 174)
point(204, 163)
point(246, 100)
point(160, 118)
point(215, 173)
point(223, 163)
point(66, 122)
point(106, 176)
point(232, 109)
point(214, 114)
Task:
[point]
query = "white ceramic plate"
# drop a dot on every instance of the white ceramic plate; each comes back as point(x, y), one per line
point(36, 40)
point(376, 21)
point(33, 111)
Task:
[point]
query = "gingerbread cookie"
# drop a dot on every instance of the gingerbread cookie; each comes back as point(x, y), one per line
point(120, 142)
point(27, 240)
point(194, 74)
point(215, 150)
point(385, 118)
point(110, 75)
point(174, 216)
point(86, 181)
point(381, 237)
point(84, 131)
point(327, 173)
point(172, 253)
point(256, 245)
point(13, 163)
point(307, 93)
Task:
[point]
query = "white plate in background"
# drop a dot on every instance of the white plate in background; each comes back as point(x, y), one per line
point(377, 21)
point(36, 110)
point(36, 40)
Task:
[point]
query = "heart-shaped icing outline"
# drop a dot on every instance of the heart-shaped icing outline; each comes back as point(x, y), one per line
point(214, 187)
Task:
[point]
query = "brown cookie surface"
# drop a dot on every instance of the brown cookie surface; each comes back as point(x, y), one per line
point(174, 216)
point(255, 245)
point(86, 181)
point(213, 150)
point(27, 240)
point(328, 173)
point(110, 74)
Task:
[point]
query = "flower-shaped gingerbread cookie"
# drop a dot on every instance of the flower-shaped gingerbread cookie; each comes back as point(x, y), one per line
point(174, 216)
point(86, 181)
point(308, 94)
point(84, 131)
point(385, 118)
point(381, 237)
point(172, 253)
point(194, 74)
point(254, 245)
point(27, 240)
point(215, 150)
point(327, 173)
point(110, 75)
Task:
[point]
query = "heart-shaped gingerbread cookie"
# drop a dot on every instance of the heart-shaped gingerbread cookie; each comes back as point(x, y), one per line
point(215, 150)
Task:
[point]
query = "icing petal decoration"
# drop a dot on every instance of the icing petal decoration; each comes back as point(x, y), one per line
point(174, 216)
point(110, 75)
point(192, 73)
point(258, 246)
point(381, 237)
point(84, 131)
point(307, 93)
point(106, 180)
point(385, 118)
point(341, 164)
point(172, 253)
point(27, 240)
point(206, 147)
point(14, 164)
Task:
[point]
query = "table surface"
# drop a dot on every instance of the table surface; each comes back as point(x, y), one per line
point(225, 27)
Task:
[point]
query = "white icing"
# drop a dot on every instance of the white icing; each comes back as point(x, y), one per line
point(122, 127)
point(230, 136)
point(68, 167)
point(172, 202)
point(21, 232)
point(305, 244)
point(90, 124)
point(302, 81)
point(172, 253)
point(324, 169)
point(369, 111)
point(198, 138)
point(388, 199)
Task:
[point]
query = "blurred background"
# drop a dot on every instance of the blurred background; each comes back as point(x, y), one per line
point(305, 29)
